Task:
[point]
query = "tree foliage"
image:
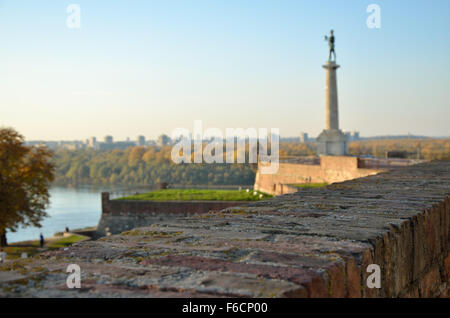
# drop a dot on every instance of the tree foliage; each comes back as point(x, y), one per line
point(152, 165)
point(138, 166)
point(428, 149)
point(25, 177)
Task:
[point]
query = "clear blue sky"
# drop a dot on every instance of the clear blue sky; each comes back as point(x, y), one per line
point(147, 67)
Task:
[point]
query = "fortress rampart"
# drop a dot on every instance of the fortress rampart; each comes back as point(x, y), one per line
point(317, 243)
point(326, 169)
point(121, 215)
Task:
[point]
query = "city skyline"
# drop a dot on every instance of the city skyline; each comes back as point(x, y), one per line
point(151, 67)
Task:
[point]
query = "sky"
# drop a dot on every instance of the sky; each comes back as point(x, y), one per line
point(147, 67)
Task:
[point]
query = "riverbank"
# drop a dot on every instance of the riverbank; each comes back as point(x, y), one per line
point(32, 247)
point(72, 208)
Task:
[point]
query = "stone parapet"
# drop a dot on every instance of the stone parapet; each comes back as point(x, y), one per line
point(121, 215)
point(331, 169)
point(317, 243)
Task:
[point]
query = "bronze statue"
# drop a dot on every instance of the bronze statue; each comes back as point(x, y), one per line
point(330, 40)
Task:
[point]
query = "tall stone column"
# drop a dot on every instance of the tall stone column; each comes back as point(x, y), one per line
point(332, 141)
point(331, 97)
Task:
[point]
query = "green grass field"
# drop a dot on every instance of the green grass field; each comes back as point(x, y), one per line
point(66, 241)
point(310, 185)
point(200, 195)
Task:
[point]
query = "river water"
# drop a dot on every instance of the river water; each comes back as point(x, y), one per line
point(72, 207)
point(80, 207)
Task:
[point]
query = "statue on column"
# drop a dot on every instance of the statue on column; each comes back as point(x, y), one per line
point(330, 40)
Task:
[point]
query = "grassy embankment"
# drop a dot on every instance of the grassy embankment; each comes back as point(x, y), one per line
point(15, 250)
point(200, 195)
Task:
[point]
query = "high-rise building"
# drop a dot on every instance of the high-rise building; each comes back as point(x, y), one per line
point(141, 141)
point(93, 142)
point(348, 135)
point(303, 137)
point(163, 140)
point(108, 139)
point(355, 136)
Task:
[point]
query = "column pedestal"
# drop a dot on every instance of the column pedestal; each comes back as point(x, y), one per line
point(332, 142)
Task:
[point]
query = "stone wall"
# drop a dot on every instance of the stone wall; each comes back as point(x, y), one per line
point(317, 243)
point(331, 169)
point(121, 215)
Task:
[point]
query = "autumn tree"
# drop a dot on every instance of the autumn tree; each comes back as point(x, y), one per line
point(135, 155)
point(25, 176)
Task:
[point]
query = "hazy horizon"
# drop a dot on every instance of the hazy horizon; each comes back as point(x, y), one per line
point(133, 138)
point(149, 67)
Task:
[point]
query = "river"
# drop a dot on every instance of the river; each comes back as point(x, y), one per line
point(72, 207)
point(80, 207)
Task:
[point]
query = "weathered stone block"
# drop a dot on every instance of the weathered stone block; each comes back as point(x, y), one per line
point(353, 278)
point(429, 284)
point(337, 287)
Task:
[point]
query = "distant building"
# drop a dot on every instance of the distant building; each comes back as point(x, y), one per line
point(164, 140)
point(123, 144)
point(141, 141)
point(69, 146)
point(348, 136)
point(108, 139)
point(93, 142)
point(303, 137)
point(352, 136)
point(49, 144)
point(116, 145)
